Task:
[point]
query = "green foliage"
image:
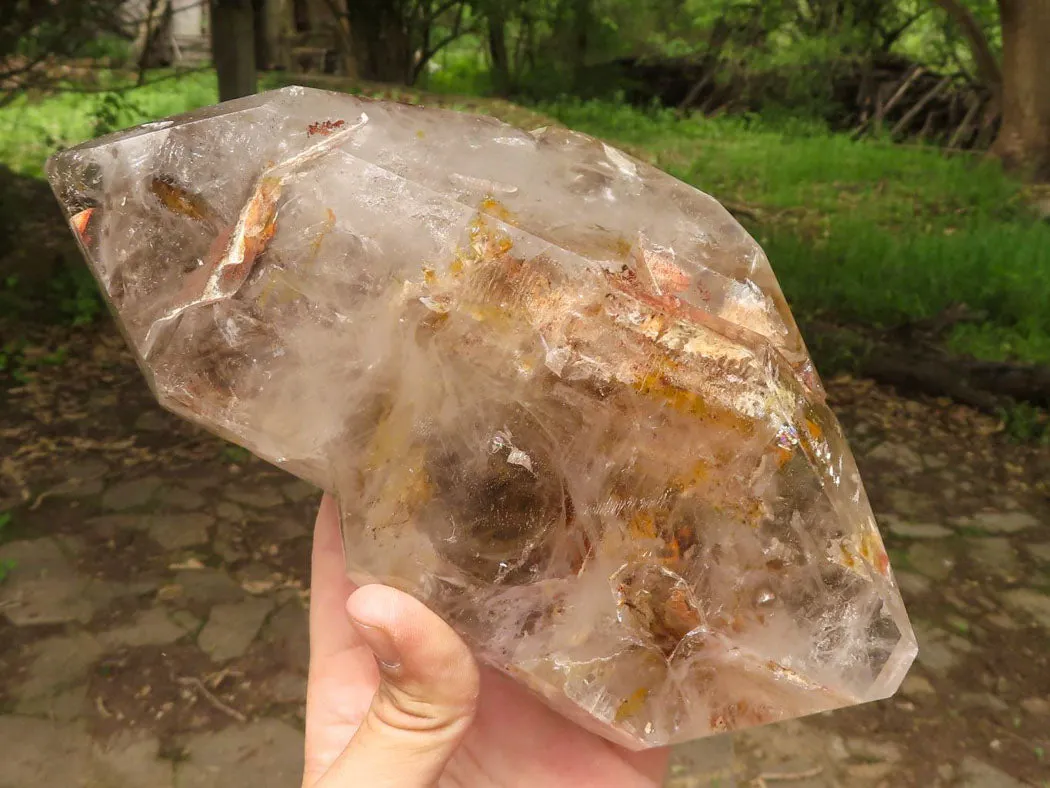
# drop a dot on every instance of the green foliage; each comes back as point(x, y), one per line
point(1026, 340)
point(935, 40)
point(71, 296)
point(459, 69)
point(774, 52)
point(35, 35)
point(1027, 423)
point(861, 271)
point(839, 352)
point(13, 360)
point(19, 360)
point(7, 565)
point(111, 49)
point(114, 111)
point(76, 295)
point(33, 127)
point(235, 455)
point(11, 300)
point(55, 358)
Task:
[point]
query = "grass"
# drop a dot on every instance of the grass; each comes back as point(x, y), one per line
point(32, 129)
point(862, 232)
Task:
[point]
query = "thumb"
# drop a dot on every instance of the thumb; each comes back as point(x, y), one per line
point(426, 698)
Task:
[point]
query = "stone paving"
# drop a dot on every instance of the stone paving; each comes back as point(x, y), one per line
point(153, 610)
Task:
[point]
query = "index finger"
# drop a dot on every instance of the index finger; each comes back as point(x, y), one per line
point(330, 629)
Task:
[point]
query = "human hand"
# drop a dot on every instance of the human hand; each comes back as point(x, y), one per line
point(395, 700)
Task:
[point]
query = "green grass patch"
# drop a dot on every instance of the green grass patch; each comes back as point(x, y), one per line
point(235, 455)
point(32, 128)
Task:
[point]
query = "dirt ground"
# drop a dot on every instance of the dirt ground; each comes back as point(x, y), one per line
point(152, 617)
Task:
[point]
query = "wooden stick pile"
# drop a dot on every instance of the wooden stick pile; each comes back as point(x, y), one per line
point(887, 96)
point(904, 100)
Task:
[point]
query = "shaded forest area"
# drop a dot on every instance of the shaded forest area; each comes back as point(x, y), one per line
point(962, 74)
point(892, 156)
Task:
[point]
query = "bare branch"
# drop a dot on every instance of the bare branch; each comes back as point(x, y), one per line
point(919, 105)
point(134, 21)
point(53, 32)
point(456, 32)
point(147, 40)
point(65, 88)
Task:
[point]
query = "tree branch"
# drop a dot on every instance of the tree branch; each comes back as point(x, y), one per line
point(428, 53)
point(889, 37)
point(133, 86)
point(147, 40)
point(337, 19)
point(133, 20)
point(987, 64)
point(433, 14)
point(918, 107)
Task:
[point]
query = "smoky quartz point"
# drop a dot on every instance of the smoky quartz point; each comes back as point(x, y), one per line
point(558, 394)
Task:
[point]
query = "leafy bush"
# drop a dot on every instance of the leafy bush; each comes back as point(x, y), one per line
point(114, 111)
point(115, 50)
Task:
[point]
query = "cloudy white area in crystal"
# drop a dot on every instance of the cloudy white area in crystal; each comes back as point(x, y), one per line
point(558, 393)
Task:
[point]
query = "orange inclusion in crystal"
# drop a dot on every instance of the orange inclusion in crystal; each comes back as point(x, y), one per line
point(632, 704)
point(182, 202)
point(80, 220)
point(495, 208)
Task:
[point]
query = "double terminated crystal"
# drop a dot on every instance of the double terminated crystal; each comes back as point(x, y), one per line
point(558, 393)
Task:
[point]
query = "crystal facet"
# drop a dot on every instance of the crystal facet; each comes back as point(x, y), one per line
point(558, 393)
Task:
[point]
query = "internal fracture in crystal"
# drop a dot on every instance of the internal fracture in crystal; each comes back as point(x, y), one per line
point(558, 393)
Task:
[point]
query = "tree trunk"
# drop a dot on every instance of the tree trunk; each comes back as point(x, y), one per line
point(497, 25)
point(581, 28)
point(280, 16)
point(157, 50)
point(1023, 143)
point(381, 46)
point(233, 47)
point(341, 25)
point(262, 24)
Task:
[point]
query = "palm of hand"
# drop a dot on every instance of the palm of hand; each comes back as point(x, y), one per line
point(516, 740)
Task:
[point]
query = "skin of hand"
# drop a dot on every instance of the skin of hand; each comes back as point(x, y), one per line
point(395, 700)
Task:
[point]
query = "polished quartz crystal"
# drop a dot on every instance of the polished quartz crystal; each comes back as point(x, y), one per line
point(558, 394)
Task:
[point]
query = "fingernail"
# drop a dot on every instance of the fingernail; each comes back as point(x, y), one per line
point(381, 643)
